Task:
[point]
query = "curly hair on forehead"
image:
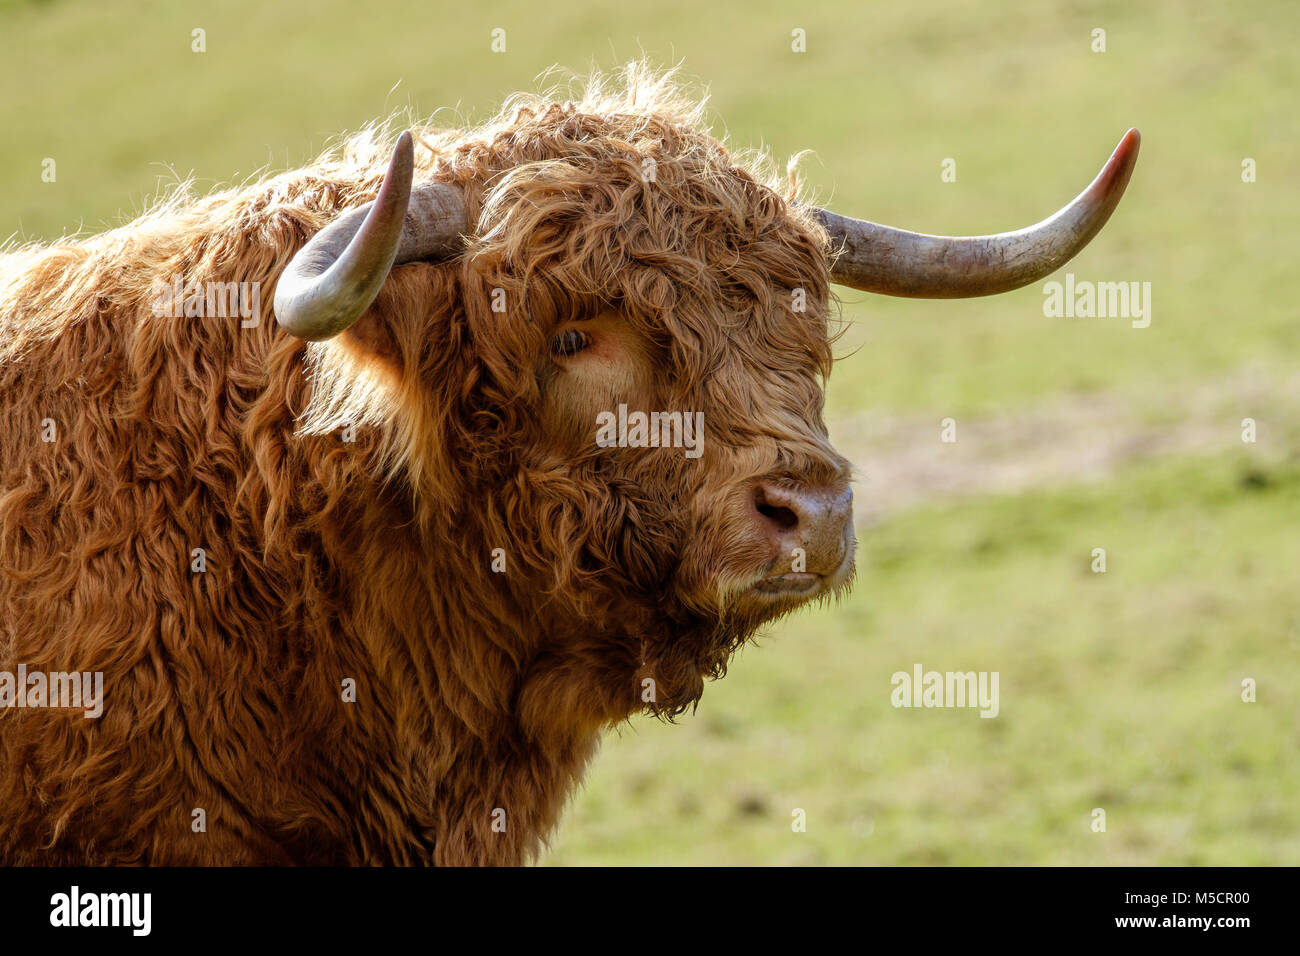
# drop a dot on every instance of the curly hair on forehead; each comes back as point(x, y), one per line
point(625, 195)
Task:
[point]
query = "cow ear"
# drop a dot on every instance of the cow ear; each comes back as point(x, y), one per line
point(372, 336)
point(394, 329)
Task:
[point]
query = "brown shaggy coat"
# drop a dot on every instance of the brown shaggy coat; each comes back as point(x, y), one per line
point(480, 690)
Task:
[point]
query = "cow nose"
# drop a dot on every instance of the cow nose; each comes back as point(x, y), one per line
point(814, 518)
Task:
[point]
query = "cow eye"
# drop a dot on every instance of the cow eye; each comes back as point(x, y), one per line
point(569, 342)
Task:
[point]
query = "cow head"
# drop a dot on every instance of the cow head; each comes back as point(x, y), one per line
point(644, 338)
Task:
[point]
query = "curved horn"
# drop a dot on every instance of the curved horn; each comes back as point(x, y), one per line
point(334, 278)
point(877, 258)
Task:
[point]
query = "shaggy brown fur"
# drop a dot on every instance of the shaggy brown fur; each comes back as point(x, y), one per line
point(476, 690)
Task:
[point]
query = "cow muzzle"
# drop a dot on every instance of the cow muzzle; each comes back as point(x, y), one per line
point(809, 532)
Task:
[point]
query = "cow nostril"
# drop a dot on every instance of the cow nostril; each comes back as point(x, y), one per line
point(784, 518)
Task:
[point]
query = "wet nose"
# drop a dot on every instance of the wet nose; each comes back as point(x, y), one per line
point(815, 518)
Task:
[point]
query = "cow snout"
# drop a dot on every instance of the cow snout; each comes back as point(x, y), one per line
point(816, 519)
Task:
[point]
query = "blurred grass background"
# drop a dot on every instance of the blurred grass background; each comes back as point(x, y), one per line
point(1118, 690)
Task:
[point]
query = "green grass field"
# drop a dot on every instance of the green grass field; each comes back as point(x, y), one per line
point(1120, 691)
